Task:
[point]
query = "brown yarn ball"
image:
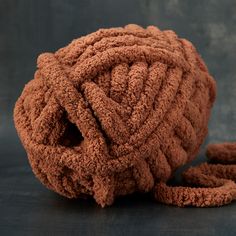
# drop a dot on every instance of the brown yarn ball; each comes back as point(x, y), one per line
point(114, 112)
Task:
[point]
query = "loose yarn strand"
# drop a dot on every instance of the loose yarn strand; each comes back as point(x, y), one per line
point(214, 184)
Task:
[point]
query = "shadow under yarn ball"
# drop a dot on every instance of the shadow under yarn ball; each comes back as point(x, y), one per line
point(118, 111)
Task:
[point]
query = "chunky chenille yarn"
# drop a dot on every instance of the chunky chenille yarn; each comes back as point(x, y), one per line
point(118, 111)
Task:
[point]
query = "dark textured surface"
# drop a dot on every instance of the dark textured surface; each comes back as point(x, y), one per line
point(31, 27)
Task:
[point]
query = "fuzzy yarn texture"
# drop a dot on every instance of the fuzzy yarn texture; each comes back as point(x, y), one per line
point(117, 112)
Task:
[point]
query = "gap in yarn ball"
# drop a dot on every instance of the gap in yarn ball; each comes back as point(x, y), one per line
point(71, 136)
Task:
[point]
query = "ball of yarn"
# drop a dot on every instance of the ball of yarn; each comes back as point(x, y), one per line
point(115, 112)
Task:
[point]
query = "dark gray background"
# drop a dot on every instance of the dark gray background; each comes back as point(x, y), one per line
point(28, 28)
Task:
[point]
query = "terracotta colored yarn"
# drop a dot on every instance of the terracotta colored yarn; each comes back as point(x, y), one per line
point(118, 111)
